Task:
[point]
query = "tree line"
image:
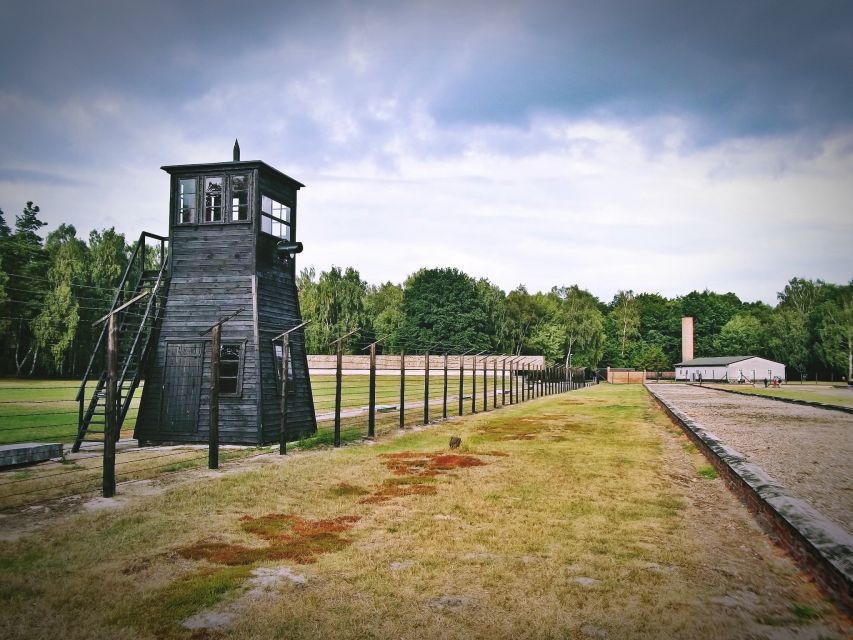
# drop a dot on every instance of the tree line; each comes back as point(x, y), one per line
point(52, 288)
point(810, 329)
point(51, 291)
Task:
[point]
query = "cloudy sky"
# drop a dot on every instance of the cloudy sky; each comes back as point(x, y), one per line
point(658, 146)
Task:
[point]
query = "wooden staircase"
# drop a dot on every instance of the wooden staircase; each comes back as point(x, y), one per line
point(137, 326)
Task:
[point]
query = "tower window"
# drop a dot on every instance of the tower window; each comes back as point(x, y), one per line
point(275, 218)
point(213, 199)
point(229, 368)
point(186, 200)
point(239, 198)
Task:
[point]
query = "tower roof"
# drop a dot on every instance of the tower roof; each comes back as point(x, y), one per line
point(214, 167)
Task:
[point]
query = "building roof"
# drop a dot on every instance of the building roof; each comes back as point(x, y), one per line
point(722, 361)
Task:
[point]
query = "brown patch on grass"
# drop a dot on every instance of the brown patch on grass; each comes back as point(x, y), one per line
point(415, 471)
point(407, 463)
point(504, 431)
point(386, 492)
point(548, 427)
point(290, 537)
point(448, 461)
point(224, 553)
point(345, 489)
point(409, 480)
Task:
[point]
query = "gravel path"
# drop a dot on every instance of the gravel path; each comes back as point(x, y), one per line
point(808, 450)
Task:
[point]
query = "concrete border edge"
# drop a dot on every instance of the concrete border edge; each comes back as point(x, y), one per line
point(819, 546)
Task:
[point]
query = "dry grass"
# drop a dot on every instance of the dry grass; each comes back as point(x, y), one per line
point(82, 473)
point(555, 519)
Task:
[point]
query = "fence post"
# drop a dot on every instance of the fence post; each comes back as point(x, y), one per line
point(371, 418)
point(474, 384)
point(284, 377)
point(285, 358)
point(213, 431)
point(536, 381)
point(402, 387)
point(495, 383)
point(426, 388)
point(537, 389)
point(110, 422)
point(511, 399)
point(485, 385)
point(503, 382)
point(523, 382)
point(461, 381)
point(339, 352)
point(444, 402)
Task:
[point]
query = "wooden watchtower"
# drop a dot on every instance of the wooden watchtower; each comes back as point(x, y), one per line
point(227, 221)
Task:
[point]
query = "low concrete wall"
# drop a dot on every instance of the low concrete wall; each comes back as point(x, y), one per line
point(819, 546)
point(13, 455)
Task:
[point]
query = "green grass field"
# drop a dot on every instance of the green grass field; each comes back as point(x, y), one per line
point(45, 410)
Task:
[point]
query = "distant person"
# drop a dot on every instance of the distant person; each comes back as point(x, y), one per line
point(766, 382)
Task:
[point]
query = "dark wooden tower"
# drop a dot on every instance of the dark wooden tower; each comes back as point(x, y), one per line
point(226, 222)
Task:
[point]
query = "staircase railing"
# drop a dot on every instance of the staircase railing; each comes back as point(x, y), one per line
point(149, 316)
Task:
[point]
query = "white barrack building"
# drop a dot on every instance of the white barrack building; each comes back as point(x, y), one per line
point(729, 368)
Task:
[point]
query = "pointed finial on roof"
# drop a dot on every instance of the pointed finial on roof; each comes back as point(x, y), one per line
point(236, 150)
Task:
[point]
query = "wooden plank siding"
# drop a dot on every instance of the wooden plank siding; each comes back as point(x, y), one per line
point(279, 310)
point(191, 308)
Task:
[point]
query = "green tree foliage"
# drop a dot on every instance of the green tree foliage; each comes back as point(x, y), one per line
point(660, 325)
point(800, 295)
point(582, 324)
point(522, 317)
point(444, 307)
point(384, 306)
point(835, 331)
point(5, 311)
point(651, 357)
point(743, 335)
point(625, 316)
point(787, 340)
point(335, 303)
point(57, 324)
point(498, 326)
point(710, 312)
point(25, 263)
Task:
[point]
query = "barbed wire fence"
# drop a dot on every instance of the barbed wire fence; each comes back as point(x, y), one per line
point(363, 394)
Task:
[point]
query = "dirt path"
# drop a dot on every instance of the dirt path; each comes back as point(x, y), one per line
point(808, 450)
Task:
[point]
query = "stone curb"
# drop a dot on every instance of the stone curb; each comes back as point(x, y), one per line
point(805, 403)
point(818, 545)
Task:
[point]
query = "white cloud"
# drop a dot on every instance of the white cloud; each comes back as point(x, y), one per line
point(607, 218)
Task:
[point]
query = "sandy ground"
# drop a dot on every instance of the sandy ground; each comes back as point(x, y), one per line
point(808, 450)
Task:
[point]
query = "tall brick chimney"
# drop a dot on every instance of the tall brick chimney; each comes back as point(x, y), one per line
point(686, 339)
